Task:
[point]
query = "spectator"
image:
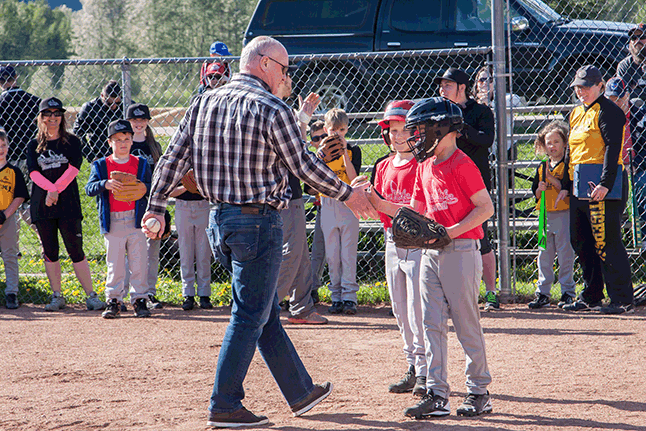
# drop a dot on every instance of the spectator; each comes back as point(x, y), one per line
point(339, 225)
point(634, 147)
point(92, 121)
point(245, 228)
point(53, 160)
point(12, 194)
point(295, 277)
point(596, 136)
point(394, 178)
point(219, 49)
point(552, 142)
point(120, 221)
point(145, 145)
point(632, 69)
point(475, 139)
point(18, 111)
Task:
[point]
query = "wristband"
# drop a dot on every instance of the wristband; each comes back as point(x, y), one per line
point(303, 117)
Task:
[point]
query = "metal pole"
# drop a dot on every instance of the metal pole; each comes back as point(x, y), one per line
point(498, 48)
point(127, 86)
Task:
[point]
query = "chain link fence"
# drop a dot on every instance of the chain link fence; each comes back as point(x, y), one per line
point(544, 51)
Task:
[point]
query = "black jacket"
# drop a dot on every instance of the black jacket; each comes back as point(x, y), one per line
point(92, 125)
point(477, 136)
point(18, 111)
point(638, 136)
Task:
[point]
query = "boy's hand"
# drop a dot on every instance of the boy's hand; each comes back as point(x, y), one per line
point(113, 185)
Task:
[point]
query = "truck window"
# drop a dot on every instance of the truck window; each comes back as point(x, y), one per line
point(290, 15)
point(473, 15)
point(416, 15)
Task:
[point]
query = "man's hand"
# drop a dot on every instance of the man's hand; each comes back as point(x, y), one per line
point(147, 232)
point(309, 105)
point(360, 205)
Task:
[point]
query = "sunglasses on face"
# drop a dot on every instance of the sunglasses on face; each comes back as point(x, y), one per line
point(319, 137)
point(283, 69)
point(485, 79)
point(47, 114)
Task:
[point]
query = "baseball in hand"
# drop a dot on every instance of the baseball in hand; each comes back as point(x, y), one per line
point(153, 225)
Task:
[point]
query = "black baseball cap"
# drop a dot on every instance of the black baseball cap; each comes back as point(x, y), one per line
point(455, 75)
point(51, 103)
point(138, 110)
point(119, 126)
point(7, 72)
point(587, 76)
point(112, 89)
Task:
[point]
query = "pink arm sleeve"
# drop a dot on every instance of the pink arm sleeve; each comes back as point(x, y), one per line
point(68, 176)
point(42, 182)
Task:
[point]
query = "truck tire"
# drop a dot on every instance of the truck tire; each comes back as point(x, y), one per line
point(336, 91)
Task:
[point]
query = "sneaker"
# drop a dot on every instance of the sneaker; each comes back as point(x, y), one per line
point(318, 394)
point(94, 303)
point(189, 303)
point(56, 303)
point(429, 405)
point(12, 301)
point(614, 308)
point(474, 405)
point(205, 302)
point(312, 318)
point(240, 418)
point(153, 303)
point(581, 305)
point(491, 301)
point(122, 307)
point(406, 384)
point(141, 308)
point(336, 308)
point(540, 301)
point(111, 310)
point(565, 300)
point(420, 386)
point(349, 307)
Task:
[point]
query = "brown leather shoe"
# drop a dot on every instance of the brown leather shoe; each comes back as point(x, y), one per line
point(311, 319)
point(239, 418)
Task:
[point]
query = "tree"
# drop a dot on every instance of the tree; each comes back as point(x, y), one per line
point(33, 31)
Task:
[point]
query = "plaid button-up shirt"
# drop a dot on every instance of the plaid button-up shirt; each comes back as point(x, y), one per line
point(241, 142)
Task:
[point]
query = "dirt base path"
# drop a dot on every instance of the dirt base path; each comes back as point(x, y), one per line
point(551, 370)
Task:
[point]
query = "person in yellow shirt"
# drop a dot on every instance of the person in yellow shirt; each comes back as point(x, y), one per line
point(339, 225)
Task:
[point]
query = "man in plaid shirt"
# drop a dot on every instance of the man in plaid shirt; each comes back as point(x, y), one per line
point(241, 139)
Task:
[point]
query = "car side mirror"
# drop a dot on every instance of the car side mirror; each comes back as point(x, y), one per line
point(519, 23)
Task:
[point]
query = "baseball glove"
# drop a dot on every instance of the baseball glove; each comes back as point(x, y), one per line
point(188, 181)
point(331, 148)
point(131, 188)
point(413, 230)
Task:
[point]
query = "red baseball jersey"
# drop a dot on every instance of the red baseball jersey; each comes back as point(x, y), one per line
point(395, 183)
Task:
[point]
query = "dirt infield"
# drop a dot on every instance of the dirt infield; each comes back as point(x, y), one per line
point(75, 371)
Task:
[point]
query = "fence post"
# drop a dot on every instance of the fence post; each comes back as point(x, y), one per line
point(127, 86)
point(499, 67)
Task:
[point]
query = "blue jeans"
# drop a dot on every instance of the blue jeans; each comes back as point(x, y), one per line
point(249, 246)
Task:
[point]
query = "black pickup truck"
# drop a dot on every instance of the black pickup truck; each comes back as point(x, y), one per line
point(546, 48)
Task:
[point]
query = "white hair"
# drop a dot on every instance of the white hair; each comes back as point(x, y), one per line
point(258, 46)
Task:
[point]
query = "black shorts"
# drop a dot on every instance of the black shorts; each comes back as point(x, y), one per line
point(71, 233)
point(485, 244)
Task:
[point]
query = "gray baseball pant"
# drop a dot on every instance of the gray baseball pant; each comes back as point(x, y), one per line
point(191, 221)
point(450, 282)
point(557, 243)
point(295, 276)
point(9, 247)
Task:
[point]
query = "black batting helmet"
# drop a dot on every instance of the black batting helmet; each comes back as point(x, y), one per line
point(432, 119)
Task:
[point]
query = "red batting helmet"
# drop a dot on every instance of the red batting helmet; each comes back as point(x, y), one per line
point(395, 111)
point(215, 68)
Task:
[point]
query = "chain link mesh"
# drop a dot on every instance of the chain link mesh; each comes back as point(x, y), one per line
point(362, 84)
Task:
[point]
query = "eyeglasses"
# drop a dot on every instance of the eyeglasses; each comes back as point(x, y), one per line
point(485, 79)
point(47, 114)
point(319, 137)
point(284, 68)
point(638, 36)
